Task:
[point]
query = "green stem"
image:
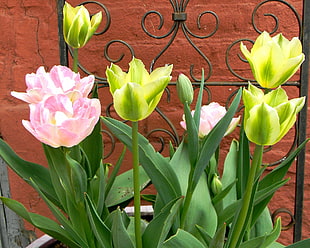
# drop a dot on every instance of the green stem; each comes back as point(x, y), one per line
point(136, 184)
point(75, 60)
point(187, 201)
point(246, 200)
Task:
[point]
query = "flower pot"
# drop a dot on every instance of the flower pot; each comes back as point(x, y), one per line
point(45, 241)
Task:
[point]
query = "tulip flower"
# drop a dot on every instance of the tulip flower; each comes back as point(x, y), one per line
point(57, 121)
point(185, 89)
point(137, 93)
point(60, 80)
point(210, 115)
point(268, 117)
point(78, 27)
point(274, 60)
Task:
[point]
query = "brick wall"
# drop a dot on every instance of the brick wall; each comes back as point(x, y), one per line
point(29, 39)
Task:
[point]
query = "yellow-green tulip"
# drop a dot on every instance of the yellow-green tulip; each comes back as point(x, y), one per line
point(78, 27)
point(274, 60)
point(268, 117)
point(137, 93)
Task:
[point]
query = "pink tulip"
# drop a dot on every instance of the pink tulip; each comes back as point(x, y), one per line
point(210, 115)
point(60, 80)
point(58, 121)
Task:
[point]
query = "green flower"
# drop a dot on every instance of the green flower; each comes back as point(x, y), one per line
point(268, 117)
point(274, 60)
point(185, 89)
point(137, 93)
point(78, 27)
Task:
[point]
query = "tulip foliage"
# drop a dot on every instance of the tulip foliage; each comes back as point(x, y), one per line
point(195, 206)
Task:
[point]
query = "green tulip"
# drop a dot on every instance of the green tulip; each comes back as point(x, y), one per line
point(274, 60)
point(185, 89)
point(78, 27)
point(268, 117)
point(137, 93)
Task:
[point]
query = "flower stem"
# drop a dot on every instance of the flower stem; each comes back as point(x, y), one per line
point(75, 60)
point(136, 184)
point(246, 200)
point(187, 201)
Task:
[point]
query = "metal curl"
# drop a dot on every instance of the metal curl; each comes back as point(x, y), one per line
point(161, 23)
point(217, 21)
point(227, 54)
point(106, 50)
point(254, 13)
point(161, 139)
point(283, 211)
point(173, 131)
point(166, 46)
point(209, 73)
point(112, 143)
point(107, 14)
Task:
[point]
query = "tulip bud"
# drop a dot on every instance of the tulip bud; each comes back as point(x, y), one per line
point(274, 60)
point(185, 89)
point(216, 185)
point(78, 27)
point(268, 117)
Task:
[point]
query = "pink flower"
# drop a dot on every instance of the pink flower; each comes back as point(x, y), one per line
point(60, 80)
point(58, 121)
point(210, 115)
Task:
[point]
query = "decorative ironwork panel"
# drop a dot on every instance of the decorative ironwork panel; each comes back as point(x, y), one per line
point(196, 26)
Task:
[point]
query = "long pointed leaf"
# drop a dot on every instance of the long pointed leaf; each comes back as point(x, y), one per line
point(158, 229)
point(100, 230)
point(183, 239)
point(266, 240)
point(120, 236)
point(27, 170)
point(43, 223)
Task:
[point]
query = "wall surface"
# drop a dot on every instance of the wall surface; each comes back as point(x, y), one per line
point(29, 39)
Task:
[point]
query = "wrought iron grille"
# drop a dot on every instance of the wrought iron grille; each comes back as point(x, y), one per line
point(180, 11)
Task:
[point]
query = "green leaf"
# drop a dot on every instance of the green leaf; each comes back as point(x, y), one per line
point(63, 220)
point(43, 223)
point(192, 131)
point(120, 236)
point(301, 244)
point(243, 163)
point(154, 164)
point(229, 177)
point(122, 188)
point(100, 230)
point(266, 240)
point(158, 229)
point(183, 239)
point(219, 238)
point(263, 224)
point(201, 199)
point(27, 170)
point(204, 235)
point(92, 147)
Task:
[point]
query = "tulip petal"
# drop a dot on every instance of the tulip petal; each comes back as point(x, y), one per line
point(116, 77)
point(287, 70)
point(129, 102)
point(275, 97)
point(262, 125)
point(152, 89)
point(137, 72)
